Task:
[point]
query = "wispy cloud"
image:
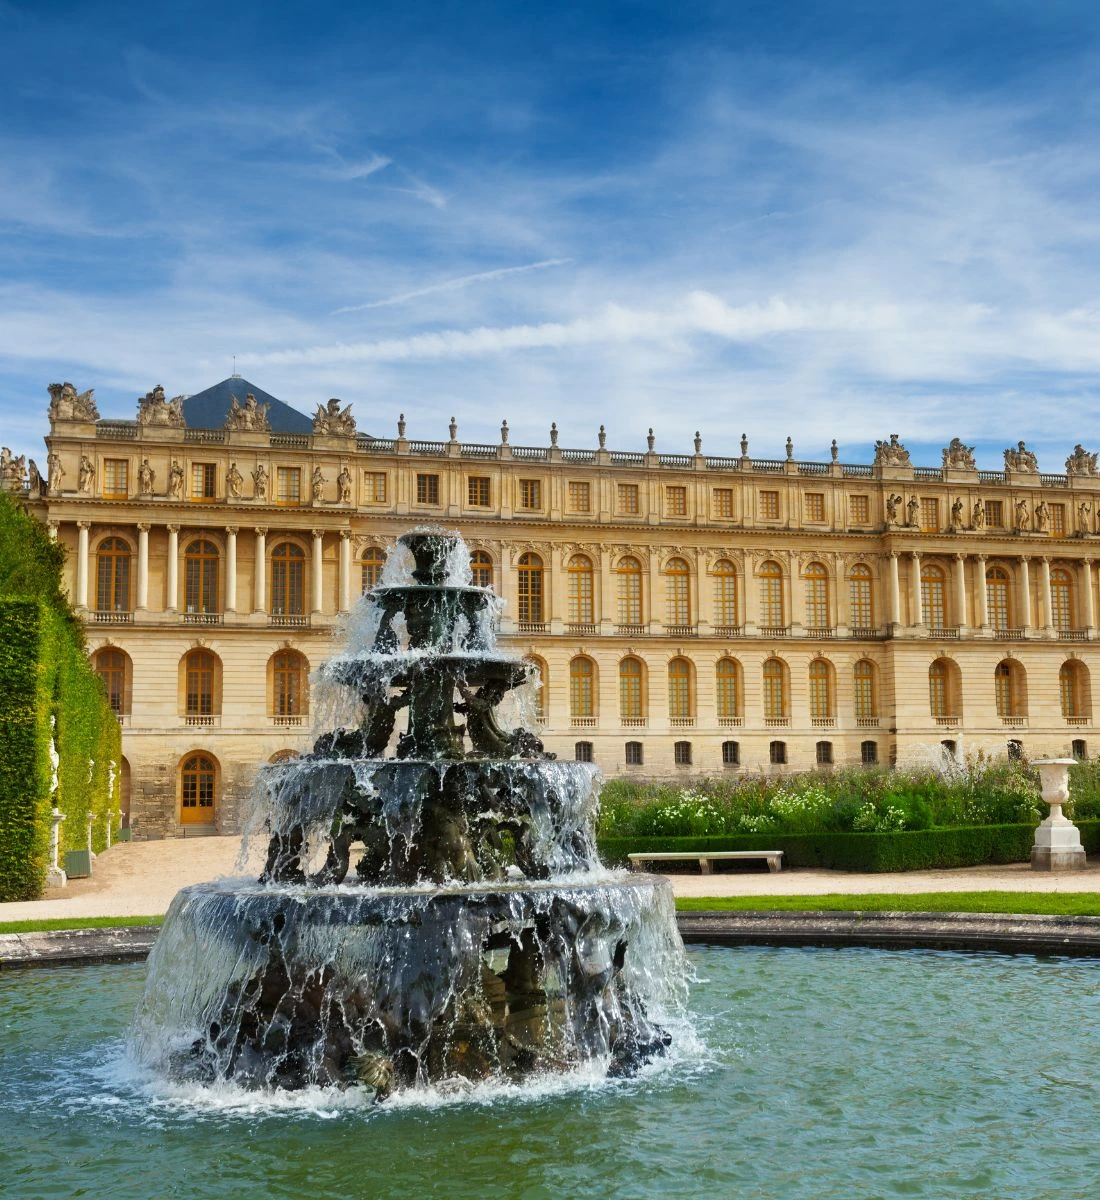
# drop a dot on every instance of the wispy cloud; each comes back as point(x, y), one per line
point(453, 285)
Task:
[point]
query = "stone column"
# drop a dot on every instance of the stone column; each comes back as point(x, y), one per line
point(318, 567)
point(794, 602)
point(1046, 617)
point(607, 597)
point(173, 567)
point(55, 875)
point(654, 609)
point(231, 568)
point(1086, 591)
point(895, 590)
point(82, 564)
point(983, 594)
point(345, 570)
point(259, 575)
point(917, 617)
point(960, 592)
point(747, 595)
point(91, 822)
point(1025, 592)
point(143, 567)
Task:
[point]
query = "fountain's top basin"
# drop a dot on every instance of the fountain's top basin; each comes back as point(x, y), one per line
point(401, 667)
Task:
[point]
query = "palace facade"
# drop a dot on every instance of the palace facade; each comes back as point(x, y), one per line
point(689, 614)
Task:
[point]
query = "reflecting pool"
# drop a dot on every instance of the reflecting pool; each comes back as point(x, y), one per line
point(813, 1073)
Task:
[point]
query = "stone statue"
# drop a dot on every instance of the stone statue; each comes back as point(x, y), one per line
point(834, 451)
point(911, 511)
point(12, 470)
point(233, 481)
point(86, 478)
point(56, 472)
point(175, 481)
point(891, 453)
point(343, 483)
point(790, 449)
point(259, 482)
point(249, 416)
point(958, 457)
point(318, 484)
point(978, 516)
point(1023, 520)
point(1042, 517)
point(1081, 462)
point(34, 479)
point(1021, 459)
point(330, 419)
point(67, 404)
point(1084, 511)
point(892, 502)
point(154, 409)
point(744, 445)
point(146, 478)
point(957, 513)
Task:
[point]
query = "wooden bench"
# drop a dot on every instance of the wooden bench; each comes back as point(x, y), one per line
point(774, 858)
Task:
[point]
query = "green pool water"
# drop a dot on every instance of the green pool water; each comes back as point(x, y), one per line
point(813, 1073)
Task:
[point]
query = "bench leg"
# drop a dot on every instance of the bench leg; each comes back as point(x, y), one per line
point(774, 864)
point(704, 866)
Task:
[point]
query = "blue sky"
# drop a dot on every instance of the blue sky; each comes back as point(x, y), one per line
point(823, 220)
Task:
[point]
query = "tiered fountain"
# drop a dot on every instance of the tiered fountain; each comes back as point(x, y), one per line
point(479, 936)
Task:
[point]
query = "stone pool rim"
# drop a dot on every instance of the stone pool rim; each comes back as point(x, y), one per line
point(1002, 933)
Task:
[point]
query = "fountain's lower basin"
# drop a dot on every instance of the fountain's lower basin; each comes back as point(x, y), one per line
point(278, 986)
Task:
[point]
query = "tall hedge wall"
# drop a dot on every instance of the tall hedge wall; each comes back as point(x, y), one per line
point(45, 674)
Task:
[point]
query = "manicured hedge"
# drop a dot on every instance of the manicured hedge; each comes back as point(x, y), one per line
point(916, 850)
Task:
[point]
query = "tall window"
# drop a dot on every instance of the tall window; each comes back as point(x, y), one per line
point(199, 683)
point(676, 502)
point(864, 679)
point(769, 506)
point(1058, 520)
point(868, 753)
point(723, 502)
point(116, 478)
point(203, 481)
point(477, 491)
point(580, 590)
point(1005, 690)
point(200, 577)
point(629, 571)
point(374, 487)
point(817, 596)
point(529, 592)
point(677, 592)
point(1061, 599)
point(821, 700)
point(582, 752)
point(937, 689)
point(994, 513)
point(580, 496)
point(777, 753)
point(824, 754)
point(1072, 684)
point(725, 594)
point(112, 576)
point(289, 684)
point(198, 779)
point(537, 678)
point(372, 562)
point(627, 494)
point(680, 706)
point(775, 690)
point(771, 595)
point(861, 614)
point(427, 489)
point(288, 580)
point(634, 754)
point(996, 591)
point(933, 612)
point(929, 515)
point(481, 569)
point(731, 754)
point(582, 673)
point(681, 754)
point(530, 494)
point(859, 510)
point(288, 486)
point(815, 506)
point(110, 666)
point(727, 680)
point(631, 701)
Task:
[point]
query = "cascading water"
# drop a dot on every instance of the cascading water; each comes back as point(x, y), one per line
point(478, 936)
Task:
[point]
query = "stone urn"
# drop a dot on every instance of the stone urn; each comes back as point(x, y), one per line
point(1057, 840)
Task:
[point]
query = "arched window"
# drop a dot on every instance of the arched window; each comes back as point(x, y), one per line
point(943, 698)
point(1061, 599)
point(817, 596)
point(821, 690)
point(288, 694)
point(1073, 691)
point(529, 595)
point(861, 611)
point(579, 573)
point(863, 677)
point(200, 692)
point(725, 594)
point(112, 666)
point(288, 580)
point(727, 681)
point(629, 571)
point(372, 562)
point(997, 599)
point(198, 785)
point(681, 706)
point(112, 576)
point(631, 691)
point(677, 593)
point(771, 596)
point(481, 569)
point(200, 577)
point(582, 691)
point(933, 612)
point(775, 690)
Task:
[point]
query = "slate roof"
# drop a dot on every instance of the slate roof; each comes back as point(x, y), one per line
point(208, 409)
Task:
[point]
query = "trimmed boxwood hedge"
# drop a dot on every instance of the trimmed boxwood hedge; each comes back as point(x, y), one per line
point(914, 850)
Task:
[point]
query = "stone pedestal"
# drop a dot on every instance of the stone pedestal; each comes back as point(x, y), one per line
point(55, 875)
point(1057, 840)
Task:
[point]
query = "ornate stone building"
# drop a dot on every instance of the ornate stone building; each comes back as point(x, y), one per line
point(690, 615)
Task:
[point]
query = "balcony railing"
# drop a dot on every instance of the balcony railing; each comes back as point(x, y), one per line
point(819, 631)
point(106, 617)
point(1012, 722)
point(729, 631)
point(205, 719)
point(1072, 635)
point(775, 631)
point(681, 722)
point(730, 722)
point(581, 630)
point(867, 633)
point(286, 721)
point(289, 621)
point(823, 722)
point(631, 630)
point(634, 722)
point(943, 632)
point(1014, 634)
point(948, 722)
point(777, 722)
point(202, 618)
point(532, 627)
point(866, 722)
point(1077, 720)
point(117, 431)
point(682, 631)
point(206, 436)
point(583, 722)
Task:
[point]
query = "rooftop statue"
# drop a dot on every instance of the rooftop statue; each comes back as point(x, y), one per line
point(332, 420)
point(155, 409)
point(958, 457)
point(12, 470)
point(250, 416)
point(67, 404)
point(1021, 459)
point(891, 453)
point(1081, 462)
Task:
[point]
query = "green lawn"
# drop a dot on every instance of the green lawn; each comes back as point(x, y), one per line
point(1060, 904)
point(43, 926)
